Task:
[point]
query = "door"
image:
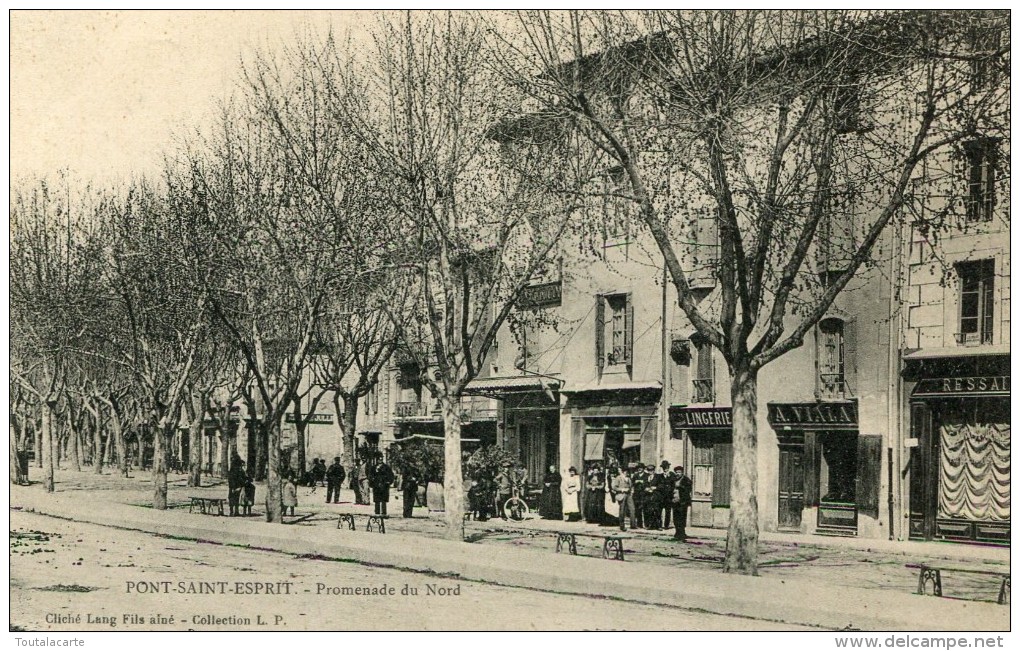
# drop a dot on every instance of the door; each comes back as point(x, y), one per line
point(791, 487)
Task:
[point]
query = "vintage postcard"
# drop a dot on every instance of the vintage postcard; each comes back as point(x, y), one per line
point(576, 320)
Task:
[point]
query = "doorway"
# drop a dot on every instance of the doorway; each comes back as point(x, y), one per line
point(791, 487)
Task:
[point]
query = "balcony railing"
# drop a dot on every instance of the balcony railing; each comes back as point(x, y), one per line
point(704, 390)
point(974, 338)
point(412, 409)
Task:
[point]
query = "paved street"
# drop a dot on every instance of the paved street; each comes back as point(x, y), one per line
point(61, 569)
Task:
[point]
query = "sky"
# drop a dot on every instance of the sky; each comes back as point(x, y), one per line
point(105, 94)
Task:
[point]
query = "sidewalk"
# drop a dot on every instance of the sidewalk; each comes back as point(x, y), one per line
point(789, 600)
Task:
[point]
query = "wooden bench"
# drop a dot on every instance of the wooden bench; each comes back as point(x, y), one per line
point(206, 504)
point(933, 575)
point(612, 543)
point(375, 521)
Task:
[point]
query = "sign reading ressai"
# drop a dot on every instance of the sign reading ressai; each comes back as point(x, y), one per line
point(961, 386)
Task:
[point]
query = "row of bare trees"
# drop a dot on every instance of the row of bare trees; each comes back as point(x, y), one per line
point(355, 199)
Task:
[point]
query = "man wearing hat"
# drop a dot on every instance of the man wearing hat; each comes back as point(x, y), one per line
point(621, 487)
point(334, 479)
point(653, 505)
point(681, 499)
point(639, 479)
point(666, 493)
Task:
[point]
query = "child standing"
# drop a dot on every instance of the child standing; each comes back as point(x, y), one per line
point(289, 495)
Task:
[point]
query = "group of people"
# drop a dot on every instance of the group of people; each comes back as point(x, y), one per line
point(488, 493)
point(646, 495)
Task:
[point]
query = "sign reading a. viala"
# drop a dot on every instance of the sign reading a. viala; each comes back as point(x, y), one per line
point(827, 415)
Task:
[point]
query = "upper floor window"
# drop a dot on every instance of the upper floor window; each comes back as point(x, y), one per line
point(977, 302)
point(985, 43)
point(614, 330)
point(849, 115)
point(982, 157)
point(831, 358)
point(703, 381)
point(616, 210)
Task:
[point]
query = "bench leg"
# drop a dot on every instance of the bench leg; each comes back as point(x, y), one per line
point(349, 519)
point(1004, 591)
point(612, 548)
point(220, 504)
point(933, 575)
point(570, 540)
point(191, 507)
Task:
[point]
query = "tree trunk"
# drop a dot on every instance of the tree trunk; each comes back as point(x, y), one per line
point(47, 448)
point(75, 451)
point(742, 537)
point(17, 477)
point(453, 479)
point(262, 450)
point(160, 435)
point(37, 442)
point(118, 436)
point(348, 427)
point(225, 448)
point(97, 448)
point(270, 431)
point(195, 441)
point(299, 429)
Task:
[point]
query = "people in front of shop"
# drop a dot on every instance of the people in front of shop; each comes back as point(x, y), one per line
point(335, 475)
point(621, 488)
point(289, 495)
point(653, 497)
point(319, 471)
point(595, 499)
point(572, 493)
point(236, 478)
point(381, 479)
point(666, 493)
point(551, 504)
point(639, 485)
point(681, 502)
point(504, 488)
point(409, 487)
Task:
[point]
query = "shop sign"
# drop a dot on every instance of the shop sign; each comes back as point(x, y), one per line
point(545, 295)
point(695, 418)
point(963, 386)
point(807, 415)
point(314, 419)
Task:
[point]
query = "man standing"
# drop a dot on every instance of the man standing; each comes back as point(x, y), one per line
point(666, 493)
point(236, 480)
point(334, 480)
point(409, 485)
point(381, 478)
point(653, 505)
point(682, 488)
point(639, 482)
point(504, 488)
point(621, 487)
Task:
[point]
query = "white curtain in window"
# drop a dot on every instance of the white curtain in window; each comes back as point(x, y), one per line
point(974, 471)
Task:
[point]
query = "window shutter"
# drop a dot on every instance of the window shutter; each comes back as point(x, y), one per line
point(649, 447)
point(629, 331)
point(850, 357)
point(600, 333)
point(577, 457)
point(811, 471)
point(869, 474)
point(722, 461)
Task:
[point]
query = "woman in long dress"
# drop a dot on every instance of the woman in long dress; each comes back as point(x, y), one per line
point(572, 490)
point(551, 506)
point(595, 498)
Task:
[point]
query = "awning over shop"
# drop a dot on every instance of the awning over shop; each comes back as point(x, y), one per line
point(954, 362)
point(500, 385)
point(653, 385)
point(430, 437)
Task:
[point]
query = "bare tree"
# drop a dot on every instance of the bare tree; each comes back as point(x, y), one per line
point(467, 234)
point(795, 135)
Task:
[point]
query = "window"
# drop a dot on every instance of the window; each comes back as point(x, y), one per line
point(704, 372)
point(977, 296)
point(831, 359)
point(615, 210)
point(838, 470)
point(614, 440)
point(982, 157)
point(614, 330)
point(848, 114)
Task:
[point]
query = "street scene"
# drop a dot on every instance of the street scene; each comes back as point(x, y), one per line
point(669, 320)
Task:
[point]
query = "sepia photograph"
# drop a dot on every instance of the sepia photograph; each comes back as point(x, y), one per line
point(665, 320)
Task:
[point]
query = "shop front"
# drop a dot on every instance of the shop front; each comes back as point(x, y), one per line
point(959, 449)
point(708, 458)
point(828, 473)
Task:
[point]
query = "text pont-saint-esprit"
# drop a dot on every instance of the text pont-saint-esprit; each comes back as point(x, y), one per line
point(210, 587)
